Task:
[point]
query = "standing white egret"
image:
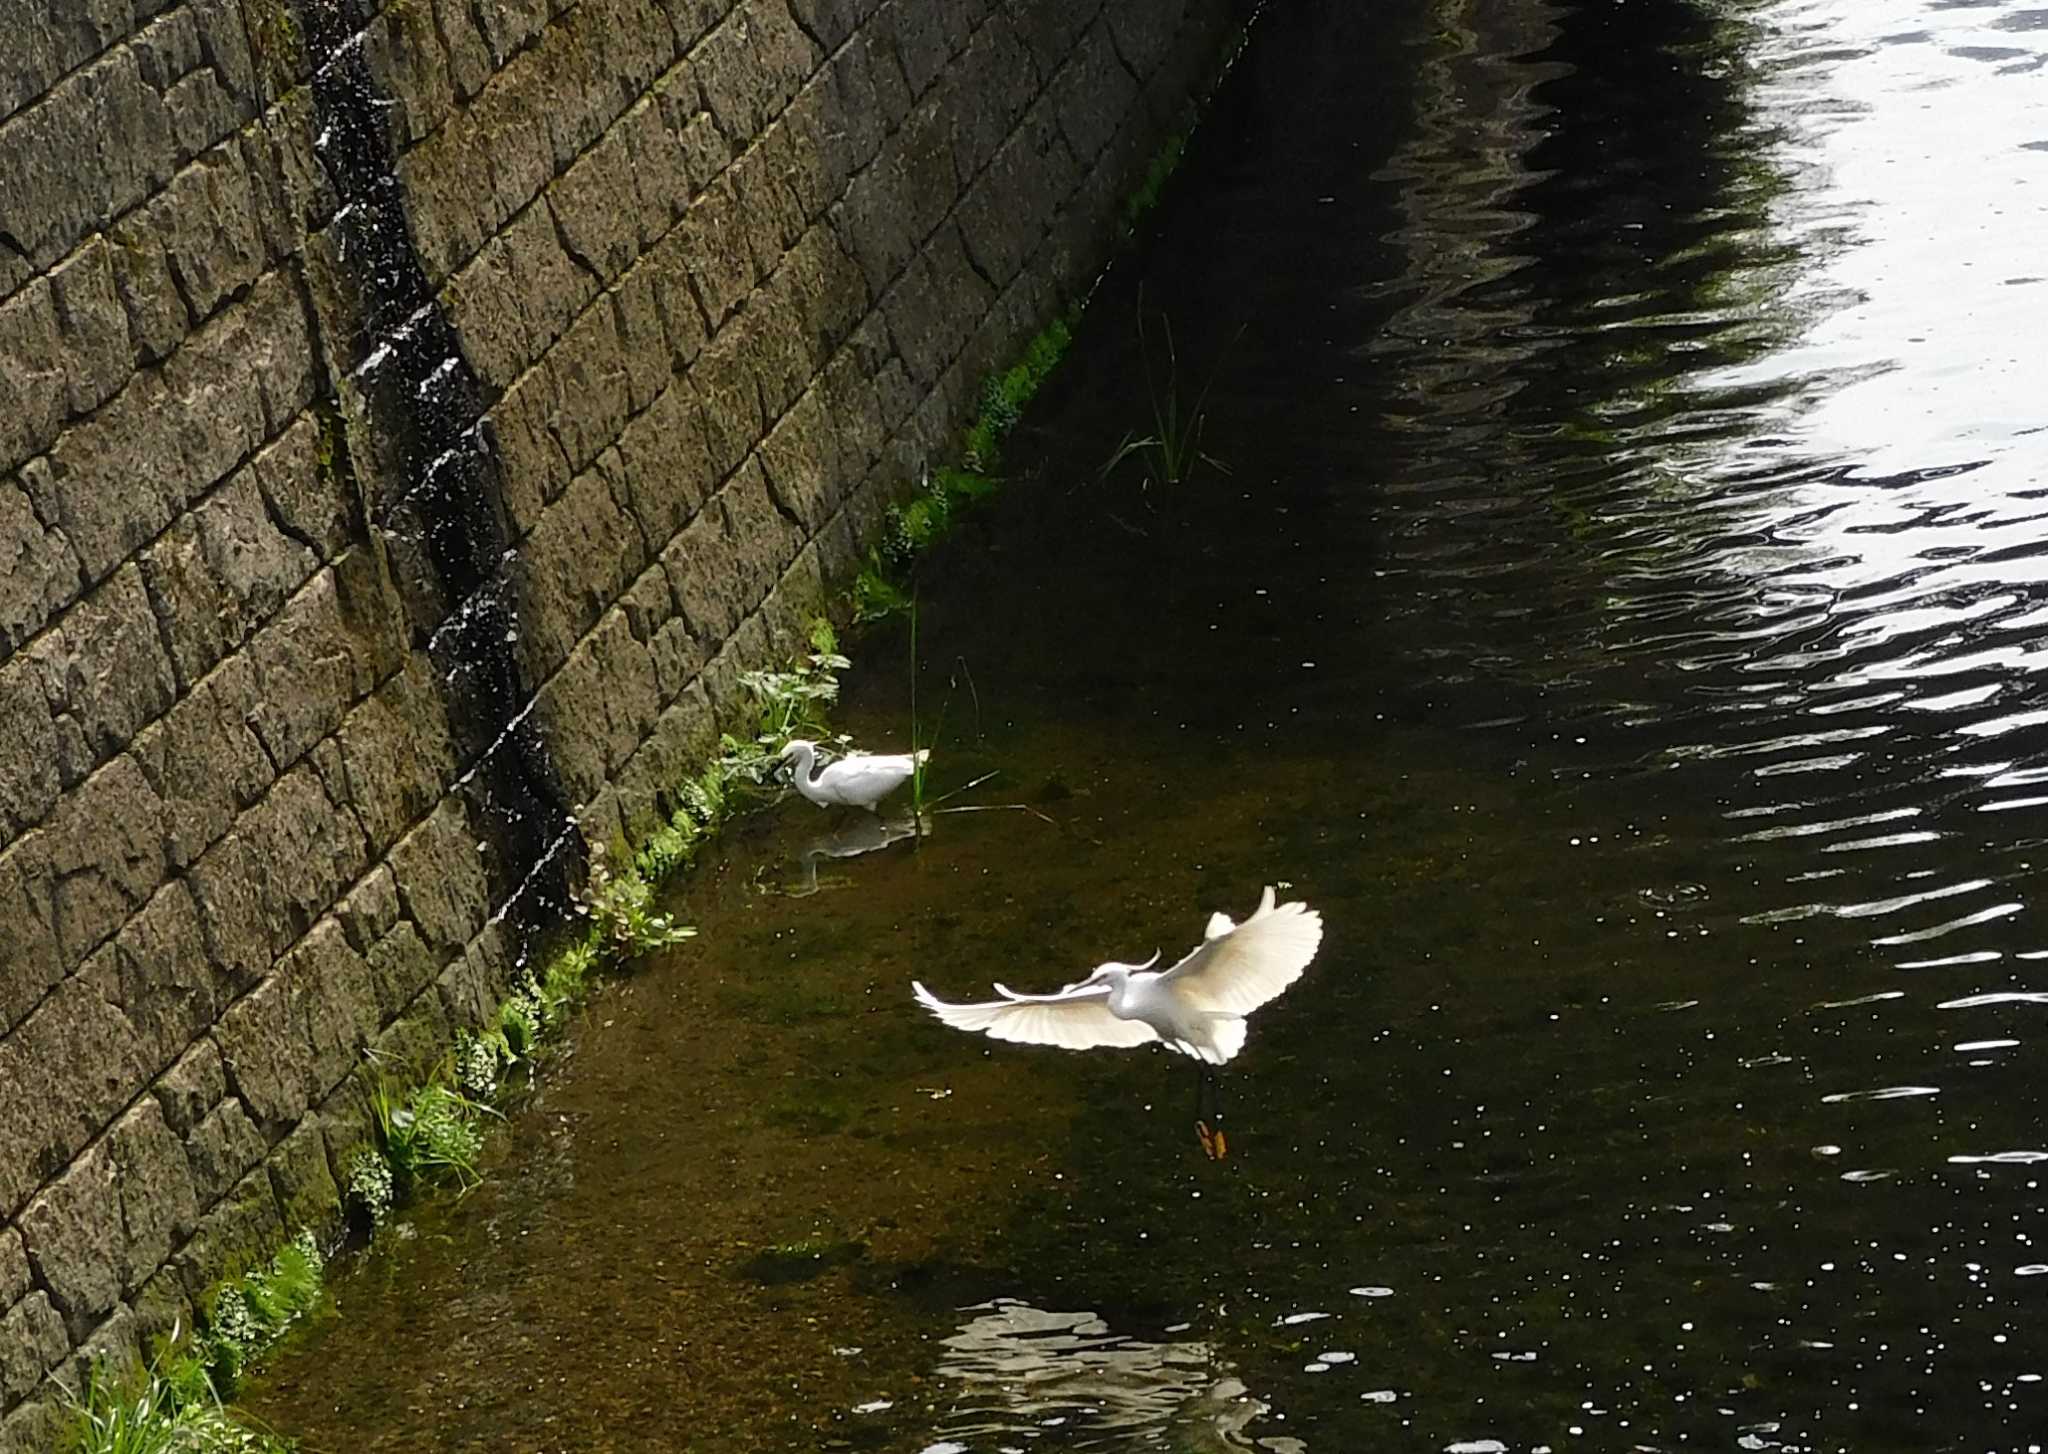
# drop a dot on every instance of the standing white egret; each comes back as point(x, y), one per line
point(859, 781)
point(1197, 1008)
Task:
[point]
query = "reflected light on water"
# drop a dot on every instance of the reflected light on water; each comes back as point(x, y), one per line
point(1022, 1374)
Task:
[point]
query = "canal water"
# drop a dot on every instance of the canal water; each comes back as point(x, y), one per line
point(1615, 596)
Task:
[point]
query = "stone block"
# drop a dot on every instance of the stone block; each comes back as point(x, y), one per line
point(28, 751)
point(534, 467)
point(34, 390)
point(14, 1273)
point(706, 152)
point(320, 655)
point(39, 571)
point(223, 1148)
point(333, 1006)
point(62, 38)
point(32, 1342)
point(75, 1239)
point(105, 665)
point(465, 997)
point(441, 881)
point(156, 314)
point(397, 756)
point(509, 26)
point(408, 65)
point(771, 212)
point(751, 66)
point(666, 464)
point(1144, 33)
point(729, 398)
point(657, 168)
point(39, 1425)
point(455, 192)
point(828, 288)
point(851, 404)
point(596, 710)
point(238, 1233)
point(98, 356)
point(167, 437)
point(594, 391)
point(400, 966)
point(576, 562)
point(597, 206)
point(369, 910)
point(293, 193)
point(1091, 94)
point(30, 961)
point(106, 850)
point(675, 298)
point(469, 58)
point(261, 888)
point(207, 219)
point(158, 1207)
point(1051, 28)
point(714, 239)
point(307, 490)
point(892, 206)
point(1027, 178)
point(219, 572)
point(257, 1051)
point(192, 1087)
point(160, 1308)
point(204, 763)
point(919, 37)
point(163, 981)
point(830, 22)
point(723, 565)
point(643, 337)
point(934, 307)
point(92, 148)
point(807, 471)
point(407, 1050)
point(987, 91)
point(303, 1182)
point(780, 352)
point(518, 296)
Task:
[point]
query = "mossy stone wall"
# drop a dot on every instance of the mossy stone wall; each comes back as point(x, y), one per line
point(719, 278)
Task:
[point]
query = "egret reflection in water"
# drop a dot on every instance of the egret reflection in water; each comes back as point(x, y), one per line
point(863, 836)
point(1064, 1380)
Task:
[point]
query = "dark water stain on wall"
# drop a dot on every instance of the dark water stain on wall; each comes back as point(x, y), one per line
point(444, 526)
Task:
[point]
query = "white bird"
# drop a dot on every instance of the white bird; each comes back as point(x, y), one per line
point(859, 781)
point(1196, 1008)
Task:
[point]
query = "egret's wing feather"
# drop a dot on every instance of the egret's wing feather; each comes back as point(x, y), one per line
point(1236, 971)
point(1072, 1021)
point(1220, 924)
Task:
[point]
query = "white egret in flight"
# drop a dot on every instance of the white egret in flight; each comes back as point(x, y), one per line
point(859, 781)
point(1197, 1008)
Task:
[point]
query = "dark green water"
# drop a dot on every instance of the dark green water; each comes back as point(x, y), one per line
point(1621, 617)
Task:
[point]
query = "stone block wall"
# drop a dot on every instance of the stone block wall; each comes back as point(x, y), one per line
point(412, 419)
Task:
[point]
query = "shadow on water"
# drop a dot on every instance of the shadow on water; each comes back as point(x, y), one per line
point(1621, 617)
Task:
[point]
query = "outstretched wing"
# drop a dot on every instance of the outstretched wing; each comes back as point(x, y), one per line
point(1077, 1018)
point(1236, 970)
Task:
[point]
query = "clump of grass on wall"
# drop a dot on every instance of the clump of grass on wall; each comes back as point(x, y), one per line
point(880, 589)
point(173, 1404)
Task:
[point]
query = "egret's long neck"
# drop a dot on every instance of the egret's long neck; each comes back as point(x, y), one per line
point(802, 762)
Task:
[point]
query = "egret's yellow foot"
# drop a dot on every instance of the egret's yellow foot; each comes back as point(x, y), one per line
point(1213, 1145)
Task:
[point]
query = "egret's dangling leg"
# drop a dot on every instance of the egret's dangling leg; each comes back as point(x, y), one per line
point(1209, 1115)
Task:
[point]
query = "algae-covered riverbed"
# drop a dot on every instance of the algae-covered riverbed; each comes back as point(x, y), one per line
point(1620, 616)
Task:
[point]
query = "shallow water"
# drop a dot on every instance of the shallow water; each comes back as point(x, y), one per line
point(1622, 617)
